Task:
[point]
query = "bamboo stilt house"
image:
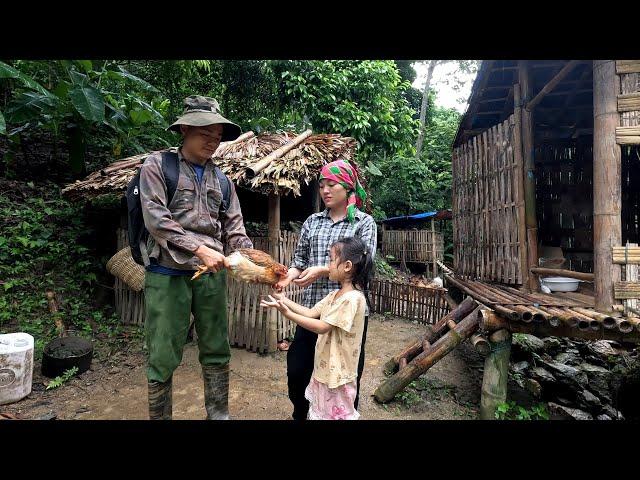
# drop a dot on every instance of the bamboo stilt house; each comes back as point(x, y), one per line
point(283, 167)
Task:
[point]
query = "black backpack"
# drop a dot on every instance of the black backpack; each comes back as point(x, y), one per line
point(137, 232)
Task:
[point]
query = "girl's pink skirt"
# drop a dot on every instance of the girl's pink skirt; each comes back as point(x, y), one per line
point(331, 403)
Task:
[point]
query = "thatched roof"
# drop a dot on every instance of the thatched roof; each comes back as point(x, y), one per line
point(284, 174)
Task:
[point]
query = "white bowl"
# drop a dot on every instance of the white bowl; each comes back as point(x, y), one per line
point(561, 284)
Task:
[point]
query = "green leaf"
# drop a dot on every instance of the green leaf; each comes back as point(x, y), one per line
point(87, 65)
point(28, 105)
point(88, 102)
point(7, 71)
point(3, 125)
point(373, 170)
point(123, 74)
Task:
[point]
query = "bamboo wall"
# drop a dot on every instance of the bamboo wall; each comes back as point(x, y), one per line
point(249, 325)
point(415, 245)
point(425, 305)
point(488, 205)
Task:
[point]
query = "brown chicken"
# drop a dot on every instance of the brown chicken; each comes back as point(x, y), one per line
point(253, 266)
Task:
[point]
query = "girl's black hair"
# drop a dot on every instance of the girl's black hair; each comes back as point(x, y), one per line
point(356, 251)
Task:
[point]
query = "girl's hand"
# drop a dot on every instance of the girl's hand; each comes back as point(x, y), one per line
point(310, 275)
point(273, 303)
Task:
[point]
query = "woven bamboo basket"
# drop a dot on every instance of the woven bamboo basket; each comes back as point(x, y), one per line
point(123, 266)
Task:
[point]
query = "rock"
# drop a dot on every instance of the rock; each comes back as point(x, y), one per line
point(587, 399)
point(612, 412)
point(551, 345)
point(569, 413)
point(540, 373)
point(603, 417)
point(520, 366)
point(598, 378)
point(114, 370)
point(533, 387)
point(527, 343)
point(572, 375)
point(567, 358)
point(602, 347)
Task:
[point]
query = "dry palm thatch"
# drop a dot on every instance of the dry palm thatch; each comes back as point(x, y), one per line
point(282, 176)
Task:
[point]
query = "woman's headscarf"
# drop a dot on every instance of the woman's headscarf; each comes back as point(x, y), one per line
point(341, 172)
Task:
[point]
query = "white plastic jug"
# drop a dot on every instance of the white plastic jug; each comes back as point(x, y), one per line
point(16, 366)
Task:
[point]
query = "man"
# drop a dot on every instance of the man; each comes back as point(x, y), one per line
point(188, 230)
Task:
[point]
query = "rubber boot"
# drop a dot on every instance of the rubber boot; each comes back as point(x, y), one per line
point(160, 400)
point(216, 391)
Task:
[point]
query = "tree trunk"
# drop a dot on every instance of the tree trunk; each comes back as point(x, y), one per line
point(496, 372)
point(423, 106)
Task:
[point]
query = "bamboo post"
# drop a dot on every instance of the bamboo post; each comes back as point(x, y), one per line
point(607, 223)
point(433, 247)
point(519, 186)
point(257, 167)
point(558, 272)
point(552, 83)
point(316, 201)
point(496, 373)
point(529, 172)
point(274, 247)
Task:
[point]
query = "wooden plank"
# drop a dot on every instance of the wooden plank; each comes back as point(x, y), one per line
point(626, 290)
point(627, 66)
point(629, 102)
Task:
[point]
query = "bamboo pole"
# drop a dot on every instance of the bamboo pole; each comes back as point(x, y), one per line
point(482, 299)
point(274, 247)
point(257, 167)
point(496, 374)
point(558, 272)
point(529, 172)
point(519, 187)
point(607, 224)
point(432, 334)
point(481, 343)
point(552, 83)
point(394, 384)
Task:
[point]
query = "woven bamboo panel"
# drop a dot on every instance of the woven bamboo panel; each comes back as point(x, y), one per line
point(424, 305)
point(628, 101)
point(415, 245)
point(487, 196)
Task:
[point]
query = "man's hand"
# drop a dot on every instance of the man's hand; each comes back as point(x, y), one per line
point(310, 275)
point(213, 260)
point(284, 282)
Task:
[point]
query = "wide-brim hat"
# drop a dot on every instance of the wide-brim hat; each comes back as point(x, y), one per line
point(201, 111)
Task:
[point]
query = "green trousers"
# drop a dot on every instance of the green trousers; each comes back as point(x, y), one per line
point(169, 301)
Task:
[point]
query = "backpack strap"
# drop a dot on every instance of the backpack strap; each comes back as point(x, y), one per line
point(225, 186)
point(171, 172)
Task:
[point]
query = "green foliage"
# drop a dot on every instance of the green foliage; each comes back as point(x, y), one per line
point(512, 411)
point(62, 379)
point(383, 269)
point(361, 99)
point(41, 248)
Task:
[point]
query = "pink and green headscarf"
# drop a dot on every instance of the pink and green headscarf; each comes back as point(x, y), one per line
point(343, 173)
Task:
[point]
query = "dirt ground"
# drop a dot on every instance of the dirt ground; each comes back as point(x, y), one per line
point(115, 388)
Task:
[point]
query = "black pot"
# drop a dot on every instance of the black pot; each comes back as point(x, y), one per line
point(64, 353)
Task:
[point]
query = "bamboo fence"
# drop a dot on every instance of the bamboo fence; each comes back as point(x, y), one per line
point(488, 205)
point(413, 245)
point(425, 305)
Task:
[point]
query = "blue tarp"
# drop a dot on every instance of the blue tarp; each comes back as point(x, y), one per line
point(440, 214)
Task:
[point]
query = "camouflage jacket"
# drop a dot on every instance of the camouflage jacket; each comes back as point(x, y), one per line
point(192, 218)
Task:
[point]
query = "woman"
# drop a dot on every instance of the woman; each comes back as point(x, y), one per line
point(342, 194)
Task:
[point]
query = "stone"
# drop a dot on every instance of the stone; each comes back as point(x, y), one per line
point(612, 412)
point(587, 399)
point(598, 378)
point(602, 347)
point(114, 370)
point(573, 376)
point(540, 373)
point(551, 345)
point(569, 413)
point(520, 366)
point(604, 417)
point(567, 358)
point(533, 387)
point(528, 343)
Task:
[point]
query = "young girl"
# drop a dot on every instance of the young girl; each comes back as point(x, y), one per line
point(338, 319)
